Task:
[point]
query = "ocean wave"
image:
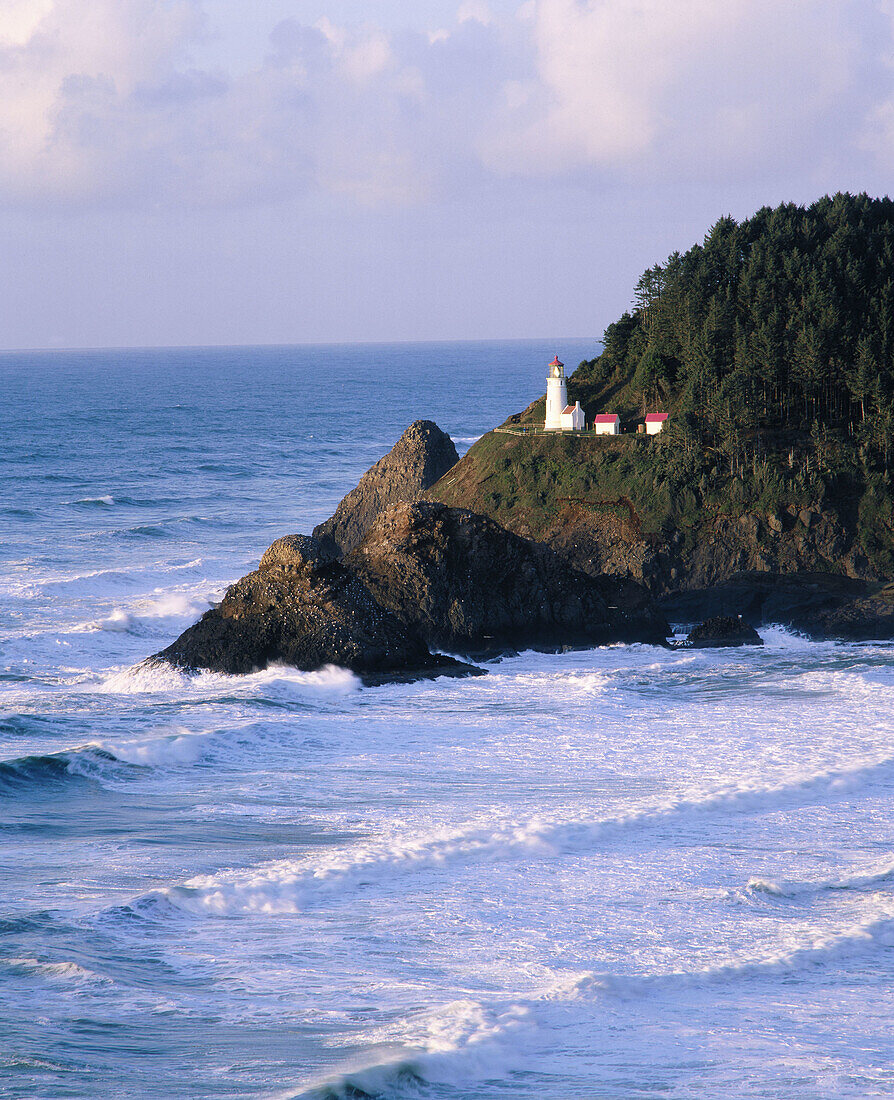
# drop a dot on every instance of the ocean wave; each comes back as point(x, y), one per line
point(92, 502)
point(875, 875)
point(19, 513)
point(181, 747)
point(802, 951)
point(74, 583)
point(38, 774)
point(460, 1045)
point(453, 1045)
point(776, 636)
point(276, 681)
point(143, 616)
point(58, 971)
point(144, 530)
point(104, 581)
point(291, 886)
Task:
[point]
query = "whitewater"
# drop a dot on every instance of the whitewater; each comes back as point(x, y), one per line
point(620, 873)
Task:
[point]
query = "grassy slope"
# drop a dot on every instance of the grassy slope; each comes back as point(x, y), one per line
point(523, 482)
point(648, 492)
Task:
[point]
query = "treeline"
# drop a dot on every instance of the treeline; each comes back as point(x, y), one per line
point(781, 322)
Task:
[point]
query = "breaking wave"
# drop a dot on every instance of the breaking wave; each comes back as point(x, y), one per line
point(277, 681)
point(290, 886)
point(55, 971)
point(146, 615)
point(876, 875)
point(44, 774)
point(93, 502)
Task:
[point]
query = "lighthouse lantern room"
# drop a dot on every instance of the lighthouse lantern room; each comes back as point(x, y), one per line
point(556, 396)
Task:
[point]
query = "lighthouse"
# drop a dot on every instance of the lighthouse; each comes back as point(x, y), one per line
point(556, 396)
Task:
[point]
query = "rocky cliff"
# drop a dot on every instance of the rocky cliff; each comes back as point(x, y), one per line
point(420, 457)
point(469, 586)
point(613, 507)
point(300, 607)
point(424, 577)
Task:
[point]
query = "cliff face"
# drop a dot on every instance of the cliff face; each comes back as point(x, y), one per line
point(469, 586)
point(302, 608)
point(420, 457)
point(602, 506)
point(424, 576)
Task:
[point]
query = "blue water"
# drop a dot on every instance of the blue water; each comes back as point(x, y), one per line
point(622, 873)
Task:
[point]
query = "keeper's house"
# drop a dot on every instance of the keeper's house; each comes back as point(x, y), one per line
point(655, 422)
point(573, 418)
point(607, 424)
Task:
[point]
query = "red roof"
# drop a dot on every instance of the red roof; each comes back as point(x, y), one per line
point(556, 363)
point(606, 418)
point(568, 409)
point(656, 418)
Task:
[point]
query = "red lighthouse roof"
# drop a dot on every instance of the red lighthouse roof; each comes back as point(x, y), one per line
point(556, 363)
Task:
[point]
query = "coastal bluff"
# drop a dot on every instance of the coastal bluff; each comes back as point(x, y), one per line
point(420, 577)
point(470, 586)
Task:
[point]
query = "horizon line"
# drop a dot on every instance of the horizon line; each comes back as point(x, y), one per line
point(289, 344)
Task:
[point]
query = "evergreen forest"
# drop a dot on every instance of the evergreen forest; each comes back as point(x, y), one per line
point(775, 327)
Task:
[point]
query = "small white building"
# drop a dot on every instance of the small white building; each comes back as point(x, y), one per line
point(607, 424)
point(655, 422)
point(573, 418)
point(556, 396)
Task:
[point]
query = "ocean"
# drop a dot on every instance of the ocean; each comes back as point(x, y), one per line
point(622, 873)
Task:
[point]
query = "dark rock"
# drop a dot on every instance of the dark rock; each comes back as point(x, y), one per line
point(723, 630)
point(302, 608)
point(421, 456)
point(470, 586)
point(820, 605)
point(861, 618)
point(763, 597)
point(569, 493)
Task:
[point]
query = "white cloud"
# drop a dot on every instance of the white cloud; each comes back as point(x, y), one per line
point(65, 68)
point(99, 101)
point(644, 84)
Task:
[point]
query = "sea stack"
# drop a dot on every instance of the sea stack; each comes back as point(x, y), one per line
point(421, 456)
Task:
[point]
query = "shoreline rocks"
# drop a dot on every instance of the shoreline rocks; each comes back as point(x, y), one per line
point(471, 587)
point(723, 631)
point(426, 577)
point(302, 608)
point(390, 578)
point(819, 605)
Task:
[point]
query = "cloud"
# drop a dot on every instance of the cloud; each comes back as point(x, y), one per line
point(103, 103)
point(66, 68)
point(644, 86)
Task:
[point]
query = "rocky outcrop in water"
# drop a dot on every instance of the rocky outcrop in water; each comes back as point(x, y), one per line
point(425, 577)
point(415, 576)
point(819, 605)
point(301, 607)
point(470, 586)
point(421, 456)
point(723, 631)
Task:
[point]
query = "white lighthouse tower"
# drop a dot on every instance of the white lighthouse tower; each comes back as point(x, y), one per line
point(556, 396)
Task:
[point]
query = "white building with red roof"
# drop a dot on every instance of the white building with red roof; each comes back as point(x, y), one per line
point(655, 422)
point(573, 419)
point(607, 424)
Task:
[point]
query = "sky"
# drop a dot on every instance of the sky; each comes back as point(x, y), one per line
point(177, 172)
